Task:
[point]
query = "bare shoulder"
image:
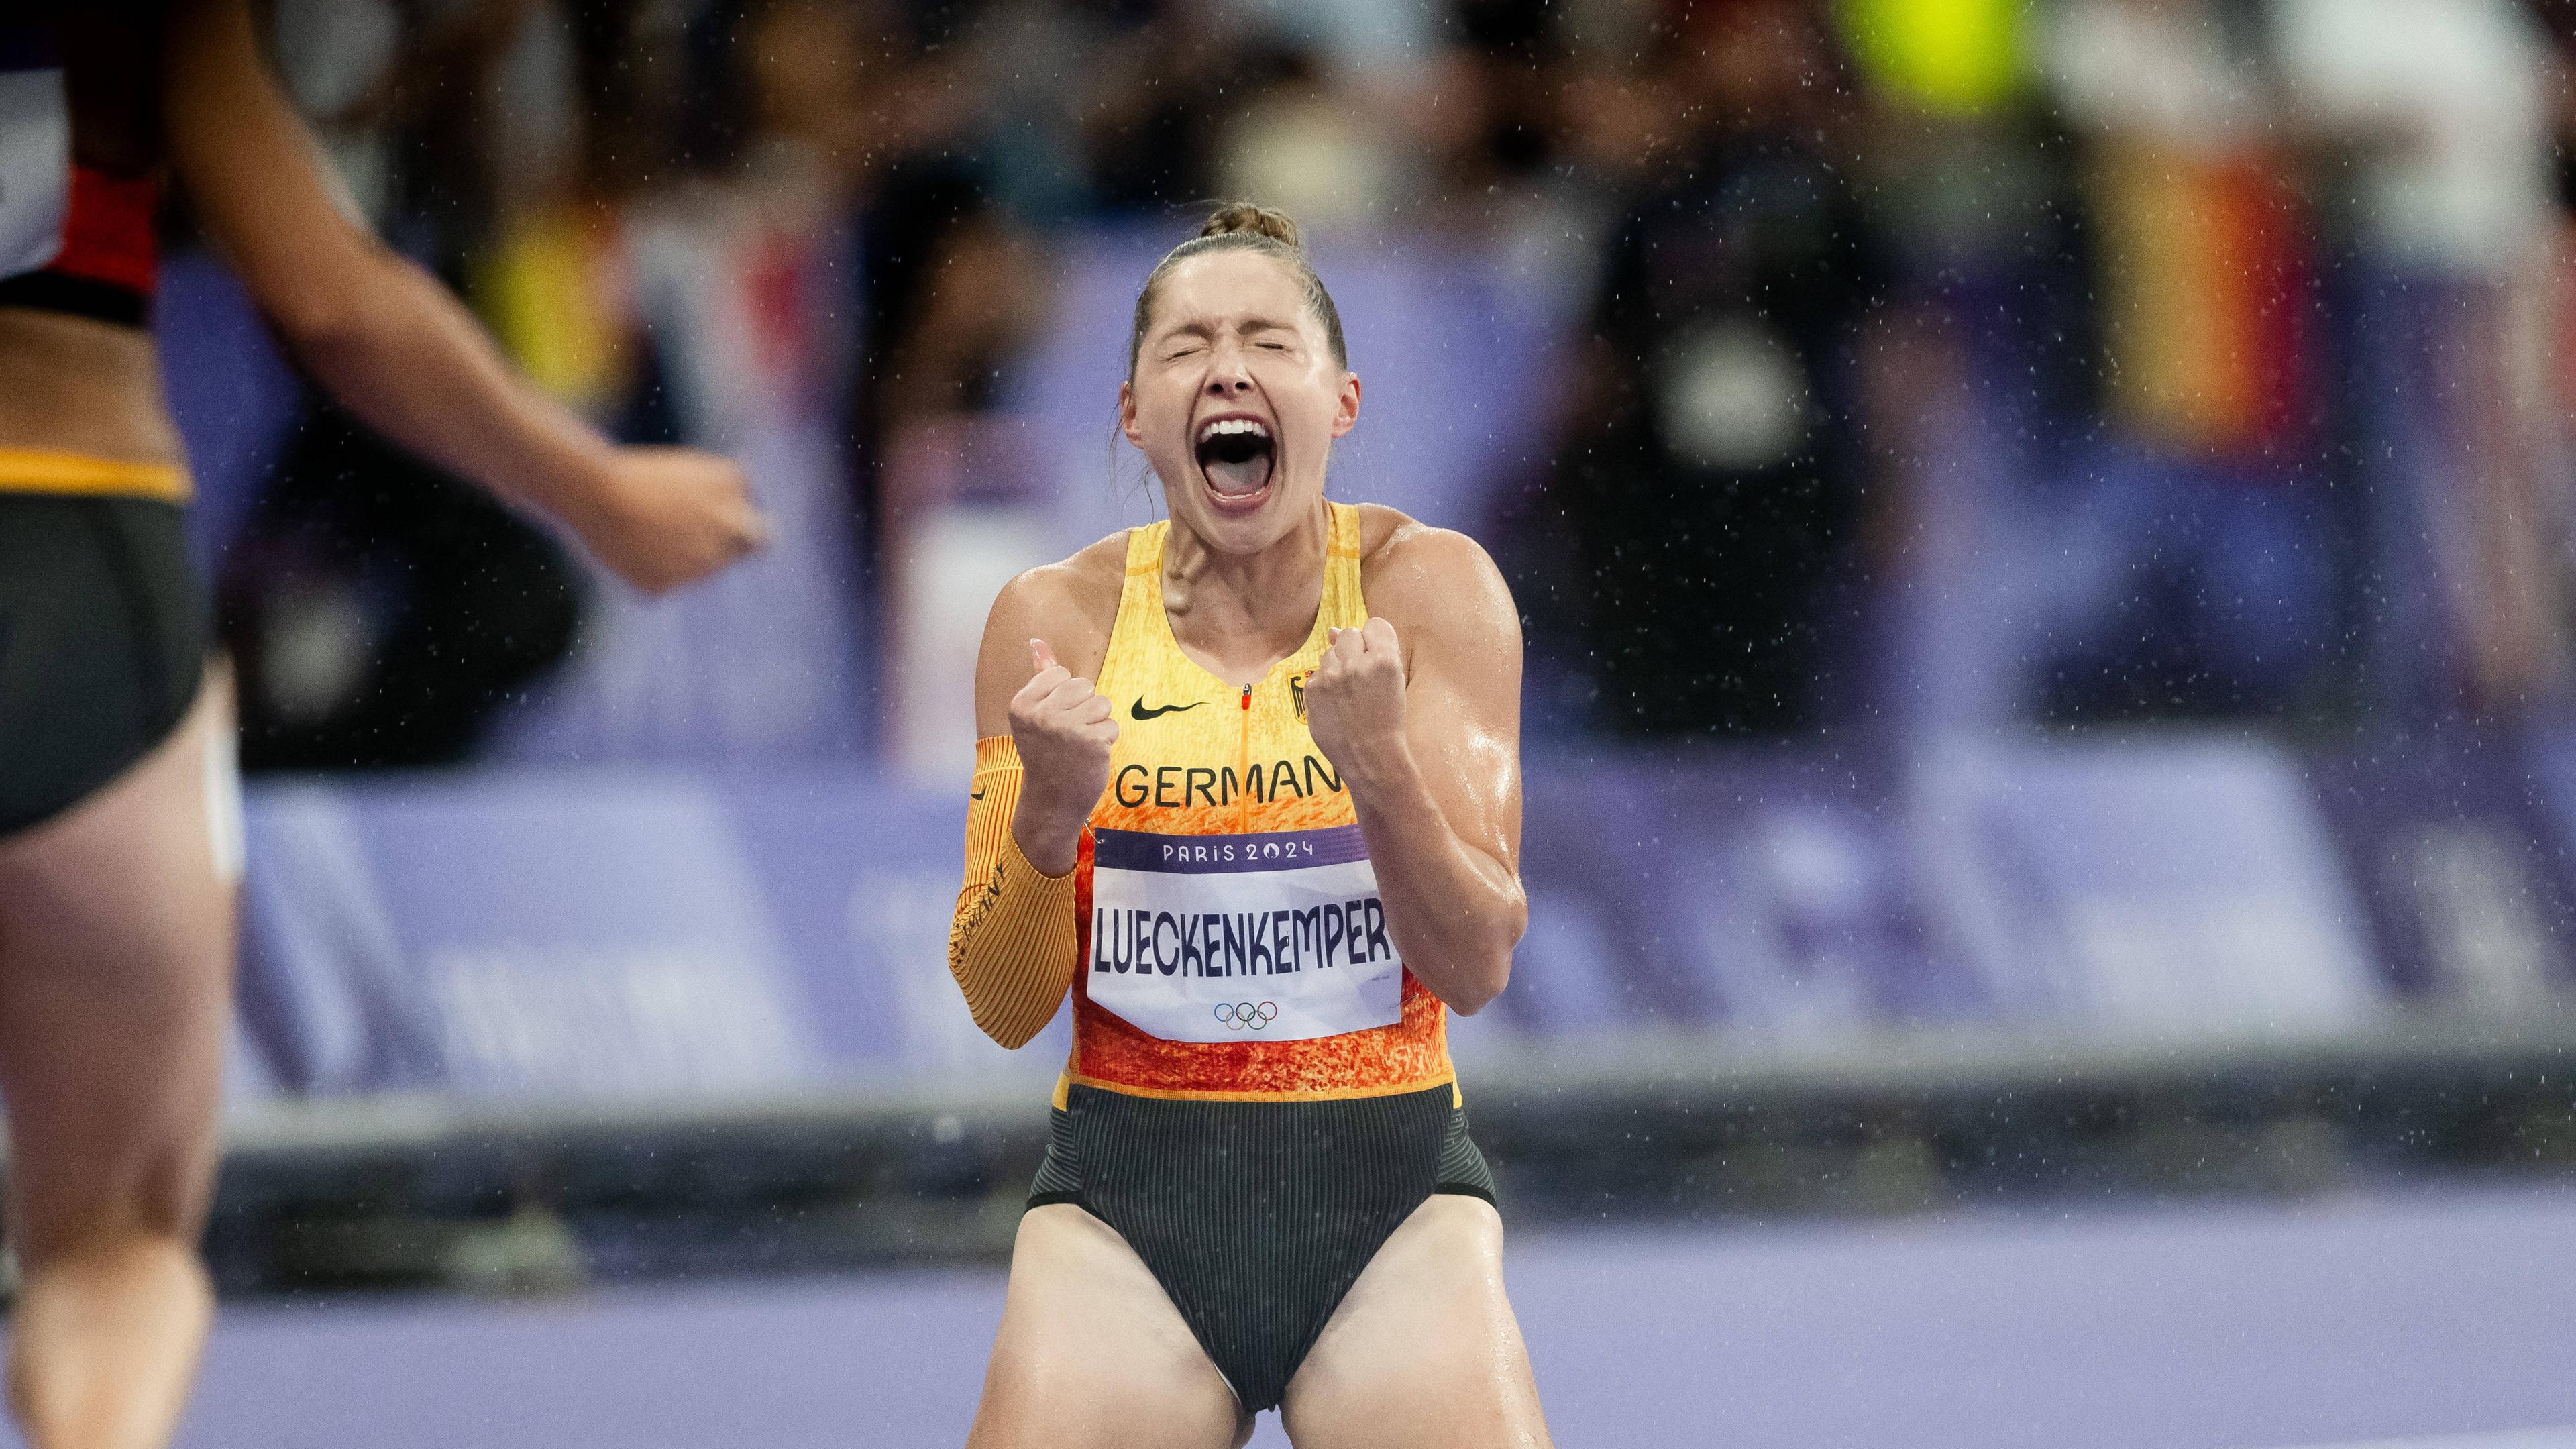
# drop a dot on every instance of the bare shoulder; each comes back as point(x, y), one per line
point(1072, 604)
point(1436, 580)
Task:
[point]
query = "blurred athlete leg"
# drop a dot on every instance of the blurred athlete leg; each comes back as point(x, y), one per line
point(1424, 1353)
point(1092, 1355)
point(116, 949)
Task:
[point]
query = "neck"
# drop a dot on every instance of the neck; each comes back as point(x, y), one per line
point(1238, 614)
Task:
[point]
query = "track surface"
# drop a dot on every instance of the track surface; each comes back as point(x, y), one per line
point(2200, 1327)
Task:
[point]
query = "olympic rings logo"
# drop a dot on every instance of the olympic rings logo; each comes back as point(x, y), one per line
point(1247, 1015)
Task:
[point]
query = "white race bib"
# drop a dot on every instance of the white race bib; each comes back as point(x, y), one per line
point(35, 168)
point(1276, 937)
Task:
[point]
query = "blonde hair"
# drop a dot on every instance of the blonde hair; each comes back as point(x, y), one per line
point(1243, 226)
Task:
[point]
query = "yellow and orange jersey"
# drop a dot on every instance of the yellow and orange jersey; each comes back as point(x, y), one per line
point(1232, 941)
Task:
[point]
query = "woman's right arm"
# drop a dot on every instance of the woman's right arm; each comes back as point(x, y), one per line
point(392, 346)
point(1041, 760)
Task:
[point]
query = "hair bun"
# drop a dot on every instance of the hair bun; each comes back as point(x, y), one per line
point(1246, 216)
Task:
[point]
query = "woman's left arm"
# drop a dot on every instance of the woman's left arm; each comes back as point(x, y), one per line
point(1422, 719)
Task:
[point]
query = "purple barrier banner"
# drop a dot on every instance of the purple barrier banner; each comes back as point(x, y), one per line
point(606, 934)
point(2174, 883)
point(2453, 856)
point(1767, 895)
point(624, 934)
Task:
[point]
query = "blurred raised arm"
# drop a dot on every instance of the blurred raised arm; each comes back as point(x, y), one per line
point(394, 347)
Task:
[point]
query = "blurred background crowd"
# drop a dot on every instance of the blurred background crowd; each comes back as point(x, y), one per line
point(2044, 530)
point(1867, 364)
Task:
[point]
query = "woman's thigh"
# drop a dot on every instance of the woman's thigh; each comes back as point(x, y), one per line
point(116, 950)
point(1092, 1352)
point(1424, 1352)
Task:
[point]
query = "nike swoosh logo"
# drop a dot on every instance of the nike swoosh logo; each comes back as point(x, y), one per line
point(978, 795)
point(1139, 711)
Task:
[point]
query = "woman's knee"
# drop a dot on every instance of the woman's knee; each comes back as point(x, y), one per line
point(162, 1195)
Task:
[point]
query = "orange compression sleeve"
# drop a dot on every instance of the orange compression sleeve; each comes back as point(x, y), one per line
point(1011, 946)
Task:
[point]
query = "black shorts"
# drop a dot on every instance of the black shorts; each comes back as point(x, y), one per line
point(1256, 1217)
point(103, 634)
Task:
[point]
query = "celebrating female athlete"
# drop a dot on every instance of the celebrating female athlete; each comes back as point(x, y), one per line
point(118, 850)
point(1265, 852)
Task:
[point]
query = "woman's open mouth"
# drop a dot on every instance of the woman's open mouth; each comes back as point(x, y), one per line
point(1236, 454)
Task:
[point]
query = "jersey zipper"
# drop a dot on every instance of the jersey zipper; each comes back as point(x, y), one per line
point(1243, 764)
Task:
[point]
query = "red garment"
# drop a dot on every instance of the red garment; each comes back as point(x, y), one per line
point(108, 230)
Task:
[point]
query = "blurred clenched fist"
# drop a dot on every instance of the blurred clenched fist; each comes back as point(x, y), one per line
point(670, 516)
point(1355, 702)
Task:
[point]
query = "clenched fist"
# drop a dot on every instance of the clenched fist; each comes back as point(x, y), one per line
point(1355, 702)
point(664, 517)
point(1063, 729)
